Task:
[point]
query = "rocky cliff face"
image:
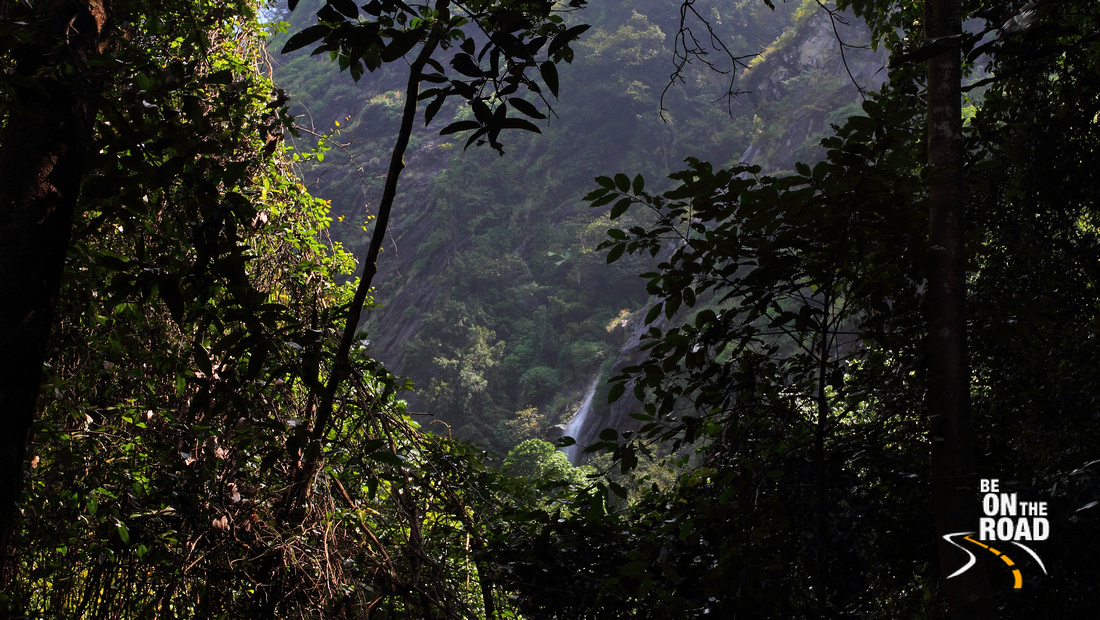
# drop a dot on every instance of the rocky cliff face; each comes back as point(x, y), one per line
point(811, 77)
point(400, 313)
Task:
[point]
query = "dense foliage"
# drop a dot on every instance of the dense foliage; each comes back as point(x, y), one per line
point(214, 437)
point(796, 358)
point(180, 466)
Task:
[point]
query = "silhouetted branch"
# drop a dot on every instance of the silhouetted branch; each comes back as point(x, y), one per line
point(687, 48)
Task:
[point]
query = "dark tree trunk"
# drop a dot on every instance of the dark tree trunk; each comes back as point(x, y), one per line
point(291, 511)
point(951, 432)
point(43, 147)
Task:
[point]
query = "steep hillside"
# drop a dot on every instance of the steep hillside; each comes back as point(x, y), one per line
point(797, 88)
point(492, 296)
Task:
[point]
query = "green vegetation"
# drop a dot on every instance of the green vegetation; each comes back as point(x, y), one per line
point(212, 439)
point(195, 423)
point(492, 269)
point(789, 348)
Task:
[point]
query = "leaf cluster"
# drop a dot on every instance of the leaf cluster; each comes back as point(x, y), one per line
point(766, 268)
point(493, 45)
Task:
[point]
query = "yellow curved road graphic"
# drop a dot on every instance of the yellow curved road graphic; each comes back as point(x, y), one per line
point(1015, 571)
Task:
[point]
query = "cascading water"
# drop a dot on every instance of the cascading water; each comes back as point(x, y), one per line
point(576, 425)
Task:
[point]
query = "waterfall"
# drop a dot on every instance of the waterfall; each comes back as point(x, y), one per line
point(576, 425)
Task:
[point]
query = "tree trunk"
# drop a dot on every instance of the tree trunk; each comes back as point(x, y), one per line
point(291, 510)
point(43, 147)
point(951, 432)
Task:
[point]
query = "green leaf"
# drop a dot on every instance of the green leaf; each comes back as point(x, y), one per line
point(617, 489)
point(306, 37)
point(622, 182)
point(458, 126)
point(464, 64)
point(564, 38)
point(519, 123)
point(433, 63)
point(653, 313)
point(672, 304)
point(685, 529)
point(616, 392)
point(123, 533)
point(256, 361)
point(862, 123)
point(432, 108)
point(616, 252)
point(142, 82)
point(594, 194)
point(399, 46)
point(474, 136)
point(549, 74)
point(202, 360)
point(639, 184)
point(482, 112)
point(689, 297)
point(346, 7)
point(387, 458)
point(525, 107)
point(604, 200)
point(173, 299)
point(620, 208)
